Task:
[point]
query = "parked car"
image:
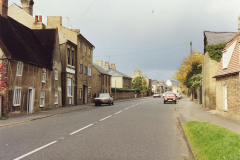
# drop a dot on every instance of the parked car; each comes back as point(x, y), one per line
point(156, 95)
point(170, 97)
point(178, 95)
point(103, 98)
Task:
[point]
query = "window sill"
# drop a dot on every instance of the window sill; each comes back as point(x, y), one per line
point(224, 110)
point(43, 82)
point(70, 96)
point(56, 79)
point(42, 106)
point(16, 105)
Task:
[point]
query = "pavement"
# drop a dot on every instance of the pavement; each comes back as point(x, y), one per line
point(49, 113)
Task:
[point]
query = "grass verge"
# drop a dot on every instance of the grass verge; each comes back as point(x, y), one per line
point(212, 142)
point(3, 118)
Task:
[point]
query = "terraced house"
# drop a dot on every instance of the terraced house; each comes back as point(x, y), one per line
point(33, 66)
point(81, 63)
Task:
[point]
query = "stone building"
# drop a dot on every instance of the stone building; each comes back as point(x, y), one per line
point(68, 50)
point(83, 60)
point(101, 80)
point(209, 67)
point(228, 79)
point(118, 79)
point(33, 66)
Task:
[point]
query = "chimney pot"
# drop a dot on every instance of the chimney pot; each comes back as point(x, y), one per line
point(36, 18)
point(40, 18)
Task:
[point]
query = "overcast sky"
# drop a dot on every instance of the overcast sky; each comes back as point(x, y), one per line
point(148, 35)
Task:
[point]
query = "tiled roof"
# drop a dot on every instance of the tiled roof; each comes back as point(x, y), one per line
point(23, 44)
point(234, 63)
point(116, 73)
point(217, 37)
point(100, 69)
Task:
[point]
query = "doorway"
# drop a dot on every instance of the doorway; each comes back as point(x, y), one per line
point(85, 94)
point(30, 101)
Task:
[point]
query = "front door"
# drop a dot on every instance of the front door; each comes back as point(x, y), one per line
point(30, 101)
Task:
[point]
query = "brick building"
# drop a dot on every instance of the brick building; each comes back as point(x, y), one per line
point(209, 67)
point(33, 66)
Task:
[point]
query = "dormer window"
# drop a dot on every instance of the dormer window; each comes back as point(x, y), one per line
point(224, 59)
point(19, 68)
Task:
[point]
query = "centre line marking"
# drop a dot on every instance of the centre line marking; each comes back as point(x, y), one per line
point(105, 118)
point(118, 112)
point(25, 155)
point(81, 129)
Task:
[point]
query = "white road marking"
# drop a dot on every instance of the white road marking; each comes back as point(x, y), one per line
point(25, 155)
point(81, 129)
point(106, 118)
point(118, 112)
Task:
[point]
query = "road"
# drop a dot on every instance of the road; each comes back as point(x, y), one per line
point(143, 129)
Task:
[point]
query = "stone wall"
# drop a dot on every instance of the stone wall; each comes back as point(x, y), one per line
point(233, 93)
point(209, 84)
point(126, 95)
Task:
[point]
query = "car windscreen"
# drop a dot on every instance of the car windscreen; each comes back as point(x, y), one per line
point(170, 95)
point(103, 96)
point(155, 93)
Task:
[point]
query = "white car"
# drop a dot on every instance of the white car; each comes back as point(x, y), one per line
point(156, 95)
point(178, 96)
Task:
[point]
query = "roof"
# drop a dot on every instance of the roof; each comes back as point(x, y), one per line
point(29, 46)
point(234, 63)
point(164, 84)
point(116, 73)
point(217, 37)
point(100, 69)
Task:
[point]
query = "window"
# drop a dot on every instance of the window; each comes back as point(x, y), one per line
point(69, 87)
point(56, 74)
point(80, 45)
point(89, 92)
point(89, 52)
point(80, 68)
point(19, 68)
point(86, 49)
point(44, 75)
point(80, 93)
point(85, 69)
point(224, 59)
point(72, 58)
point(68, 56)
point(17, 96)
point(42, 98)
point(89, 71)
point(56, 97)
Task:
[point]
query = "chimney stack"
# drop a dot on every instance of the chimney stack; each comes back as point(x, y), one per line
point(27, 5)
point(4, 8)
point(38, 23)
point(106, 66)
point(113, 66)
point(99, 62)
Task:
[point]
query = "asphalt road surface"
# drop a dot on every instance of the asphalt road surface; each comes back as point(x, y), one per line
point(143, 129)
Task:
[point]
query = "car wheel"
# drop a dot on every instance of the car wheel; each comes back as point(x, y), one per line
point(112, 103)
point(175, 102)
point(164, 102)
point(99, 104)
point(96, 104)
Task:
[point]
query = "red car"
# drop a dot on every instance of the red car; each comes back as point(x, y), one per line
point(170, 97)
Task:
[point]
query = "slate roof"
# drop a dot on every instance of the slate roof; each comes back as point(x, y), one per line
point(217, 37)
point(100, 69)
point(116, 73)
point(234, 63)
point(29, 46)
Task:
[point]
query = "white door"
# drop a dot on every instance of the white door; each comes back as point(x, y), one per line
point(225, 97)
point(73, 94)
point(30, 101)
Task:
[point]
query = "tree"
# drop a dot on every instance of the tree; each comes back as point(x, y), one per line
point(140, 83)
point(194, 77)
point(182, 71)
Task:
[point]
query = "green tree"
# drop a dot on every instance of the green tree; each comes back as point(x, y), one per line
point(194, 77)
point(140, 83)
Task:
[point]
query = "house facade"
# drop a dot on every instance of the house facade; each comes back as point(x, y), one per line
point(228, 79)
point(83, 61)
point(33, 67)
point(101, 80)
point(118, 79)
point(209, 67)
